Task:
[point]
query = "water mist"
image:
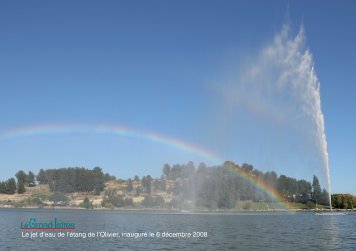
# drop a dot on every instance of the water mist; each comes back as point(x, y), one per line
point(280, 86)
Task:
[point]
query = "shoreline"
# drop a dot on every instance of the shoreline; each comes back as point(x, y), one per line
point(38, 198)
point(180, 211)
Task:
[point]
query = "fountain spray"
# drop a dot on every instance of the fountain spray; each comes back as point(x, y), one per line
point(282, 85)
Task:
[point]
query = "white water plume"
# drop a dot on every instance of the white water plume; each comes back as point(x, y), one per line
point(281, 85)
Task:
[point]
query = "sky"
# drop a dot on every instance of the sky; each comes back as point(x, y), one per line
point(132, 85)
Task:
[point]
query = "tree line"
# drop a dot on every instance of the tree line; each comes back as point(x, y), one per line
point(69, 180)
point(343, 201)
point(202, 187)
point(10, 186)
point(64, 180)
point(223, 186)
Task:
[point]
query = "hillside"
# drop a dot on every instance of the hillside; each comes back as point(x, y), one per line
point(39, 196)
point(181, 187)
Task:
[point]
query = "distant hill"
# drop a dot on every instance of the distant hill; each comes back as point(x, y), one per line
point(226, 187)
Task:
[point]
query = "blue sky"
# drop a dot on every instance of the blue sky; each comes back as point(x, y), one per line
point(154, 66)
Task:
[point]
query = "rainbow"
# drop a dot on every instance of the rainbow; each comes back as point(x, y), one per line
point(260, 184)
point(122, 131)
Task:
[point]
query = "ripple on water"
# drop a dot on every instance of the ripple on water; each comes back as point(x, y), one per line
point(225, 231)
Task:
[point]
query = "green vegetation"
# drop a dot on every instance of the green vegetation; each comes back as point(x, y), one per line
point(68, 180)
point(129, 187)
point(112, 200)
point(8, 186)
point(227, 187)
point(30, 178)
point(343, 201)
point(147, 184)
point(86, 203)
point(58, 197)
point(153, 202)
point(222, 188)
point(34, 201)
point(42, 177)
point(21, 179)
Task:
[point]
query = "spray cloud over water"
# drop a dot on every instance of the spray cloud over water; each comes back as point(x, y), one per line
point(275, 102)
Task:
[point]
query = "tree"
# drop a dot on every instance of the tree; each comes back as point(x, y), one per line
point(68, 180)
point(147, 183)
point(2, 187)
point(58, 197)
point(150, 202)
point(304, 191)
point(188, 170)
point(21, 179)
point(283, 185)
point(42, 177)
point(11, 186)
point(98, 180)
point(176, 172)
point(129, 187)
point(21, 187)
point(247, 167)
point(202, 168)
point(343, 201)
point(86, 203)
point(166, 170)
point(112, 199)
point(21, 176)
point(108, 177)
point(30, 178)
point(271, 178)
point(8, 186)
point(324, 197)
point(316, 189)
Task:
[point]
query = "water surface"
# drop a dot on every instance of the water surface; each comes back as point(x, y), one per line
point(244, 231)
